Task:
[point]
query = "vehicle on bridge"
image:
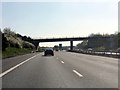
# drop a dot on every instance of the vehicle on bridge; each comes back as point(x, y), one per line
point(48, 51)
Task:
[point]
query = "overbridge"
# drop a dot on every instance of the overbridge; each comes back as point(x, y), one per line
point(37, 41)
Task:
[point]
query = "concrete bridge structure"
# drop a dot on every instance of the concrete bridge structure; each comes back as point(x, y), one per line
point(37, 41)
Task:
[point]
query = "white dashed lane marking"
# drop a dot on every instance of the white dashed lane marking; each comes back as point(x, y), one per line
point(80, 75)
point(62, 62)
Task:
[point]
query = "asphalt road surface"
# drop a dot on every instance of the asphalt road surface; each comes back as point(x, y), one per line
point(64, 70)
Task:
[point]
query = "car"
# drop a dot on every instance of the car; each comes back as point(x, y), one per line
point(48, 51)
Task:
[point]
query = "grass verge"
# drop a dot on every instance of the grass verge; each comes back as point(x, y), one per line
point(10, 52)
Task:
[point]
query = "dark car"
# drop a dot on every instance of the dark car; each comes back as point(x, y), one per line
point(49, 51)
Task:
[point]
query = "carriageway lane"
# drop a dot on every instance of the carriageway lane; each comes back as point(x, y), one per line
point(98, 71)
point(42, 72)
point(62, 71)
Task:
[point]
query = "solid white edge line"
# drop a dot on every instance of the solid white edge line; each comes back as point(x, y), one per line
point(62, 62)
point(9, 70)
point(80, 75)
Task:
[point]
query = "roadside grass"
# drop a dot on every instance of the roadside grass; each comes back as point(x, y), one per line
point(10, 52)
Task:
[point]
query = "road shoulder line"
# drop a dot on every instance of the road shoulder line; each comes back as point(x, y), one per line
point(14, 67)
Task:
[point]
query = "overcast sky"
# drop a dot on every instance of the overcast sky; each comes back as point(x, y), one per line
point(60, 19)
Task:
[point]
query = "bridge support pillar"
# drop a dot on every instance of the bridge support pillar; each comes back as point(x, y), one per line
point(71, 45)
point(36, 43)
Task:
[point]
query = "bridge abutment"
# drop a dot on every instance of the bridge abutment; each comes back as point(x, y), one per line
point(36, 43)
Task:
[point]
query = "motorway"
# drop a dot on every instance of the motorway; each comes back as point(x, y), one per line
point(64, 70)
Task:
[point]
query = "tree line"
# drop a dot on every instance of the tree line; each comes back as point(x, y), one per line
point(101, 42)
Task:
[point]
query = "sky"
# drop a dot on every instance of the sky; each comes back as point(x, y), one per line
point(68, 18)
